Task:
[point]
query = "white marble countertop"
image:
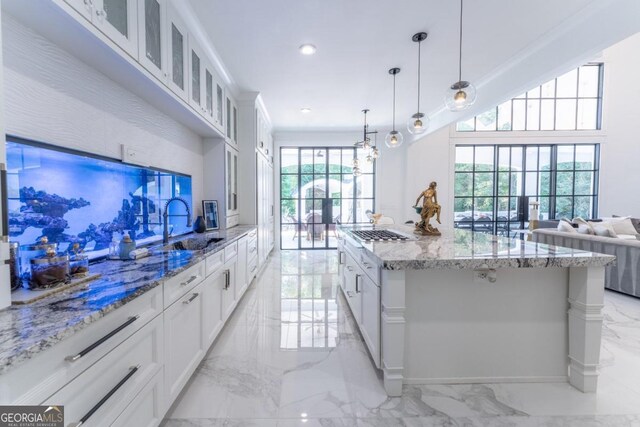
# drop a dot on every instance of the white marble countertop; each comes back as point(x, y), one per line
point(26, 330)
point(464, 249)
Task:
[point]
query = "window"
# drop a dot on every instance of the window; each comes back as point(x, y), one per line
point(572, 101)
point(493, 184)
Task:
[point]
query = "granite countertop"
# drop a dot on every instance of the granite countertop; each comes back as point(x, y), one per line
point(464, 249)
point(26, 330)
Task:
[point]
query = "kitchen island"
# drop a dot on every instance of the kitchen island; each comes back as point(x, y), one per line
point(469, 307)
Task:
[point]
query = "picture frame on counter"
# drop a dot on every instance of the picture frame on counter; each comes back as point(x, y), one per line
point(210, 211)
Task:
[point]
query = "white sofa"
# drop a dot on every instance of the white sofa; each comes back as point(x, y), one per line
point(622, 276)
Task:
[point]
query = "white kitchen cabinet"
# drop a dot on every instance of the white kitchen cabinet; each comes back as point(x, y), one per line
point(213, 97)
point(152, 35)
point(116, 19)
point(118, 377)
point(353, 277)
point(370, 321)
point(212, 289)
point(177, 53)
point(231, 121)
point(265, 208)
point(147, 408)
point(231, 180)
point(229, 288)
point(197, 97)
point(186, 347)
point(242, 273)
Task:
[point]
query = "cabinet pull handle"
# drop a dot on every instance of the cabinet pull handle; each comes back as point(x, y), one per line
point(254, 268)
point(132, 371)
point(191, 279)
point(349, 294)
point(349, 268)
point(76, 357)
point(340, 259)
point(227, 279)
point(357, 283)
point(190, 300)
point(253, 249)
point(367, 265)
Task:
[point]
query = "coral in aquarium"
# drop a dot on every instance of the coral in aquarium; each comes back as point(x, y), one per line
point(45, 211)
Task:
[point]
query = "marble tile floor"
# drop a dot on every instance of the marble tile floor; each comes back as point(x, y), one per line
point(291, 356)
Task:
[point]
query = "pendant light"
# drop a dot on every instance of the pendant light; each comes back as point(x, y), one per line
point(366, 144)
point(462, 94)
point(394, 138)
point(419, 122)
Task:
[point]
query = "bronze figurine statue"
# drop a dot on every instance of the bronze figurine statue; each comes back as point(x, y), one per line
point(429, 209)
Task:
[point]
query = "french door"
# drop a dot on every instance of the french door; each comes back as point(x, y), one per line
point(318, 191)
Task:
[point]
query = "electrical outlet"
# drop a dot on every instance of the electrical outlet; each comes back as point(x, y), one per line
point(133, 156)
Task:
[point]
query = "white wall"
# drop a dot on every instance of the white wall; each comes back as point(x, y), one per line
point(50, 96)
point(620, 163)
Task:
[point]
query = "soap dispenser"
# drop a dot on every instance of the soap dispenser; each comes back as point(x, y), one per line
point(126, 246)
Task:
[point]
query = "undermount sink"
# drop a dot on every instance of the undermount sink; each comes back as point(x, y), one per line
point(192, 244)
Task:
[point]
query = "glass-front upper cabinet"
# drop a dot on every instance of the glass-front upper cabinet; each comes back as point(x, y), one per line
point(178, 53)
point(152, 34)
point(231, 128)
point(213, 96)
point(117, 19)
point(197, 86)
point(231, 172)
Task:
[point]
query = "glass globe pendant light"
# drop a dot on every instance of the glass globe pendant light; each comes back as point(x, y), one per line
point(462, 94)
point(394, 138)
point(419, 122)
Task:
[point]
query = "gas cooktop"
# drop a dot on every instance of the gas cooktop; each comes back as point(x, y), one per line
point(378, 235)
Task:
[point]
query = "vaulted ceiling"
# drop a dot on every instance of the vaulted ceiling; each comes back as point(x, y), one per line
point(508, 45)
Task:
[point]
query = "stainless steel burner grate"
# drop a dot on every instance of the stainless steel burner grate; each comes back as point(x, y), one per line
point(378, 235)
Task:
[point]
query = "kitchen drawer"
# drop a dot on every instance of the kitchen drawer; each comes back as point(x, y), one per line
point(252, 269)
point(230, 251)
point(215, 262)
point(52, 369)
point(370, 266)
point(146, 409)
point(253, 233)
point(232, 221)
point(101, 393)
point(179, 285)
point(252, 247)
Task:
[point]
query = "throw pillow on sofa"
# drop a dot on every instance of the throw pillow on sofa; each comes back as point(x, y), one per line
point(583, 226)
point(623, 225)
point(565, 226)
point(604, 229)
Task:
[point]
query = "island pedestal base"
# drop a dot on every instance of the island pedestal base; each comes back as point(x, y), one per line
point(530, 325)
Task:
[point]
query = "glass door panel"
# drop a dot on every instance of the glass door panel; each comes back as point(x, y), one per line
point(318, 191)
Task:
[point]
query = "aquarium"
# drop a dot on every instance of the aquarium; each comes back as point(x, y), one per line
point(71, 197)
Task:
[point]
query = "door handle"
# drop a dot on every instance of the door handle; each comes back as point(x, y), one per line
point(84, 352)
point(357, 283)
point(190, 300)
point(191, 279)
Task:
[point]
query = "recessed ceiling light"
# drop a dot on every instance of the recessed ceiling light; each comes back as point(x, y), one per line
point(307, 49)
point(305, 110)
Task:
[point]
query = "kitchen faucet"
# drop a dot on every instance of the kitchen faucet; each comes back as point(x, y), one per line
point(165, 217)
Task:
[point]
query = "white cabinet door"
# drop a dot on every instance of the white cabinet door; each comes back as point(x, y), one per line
point(353, 277)
point(177, 53)
point(220, 112)
point(152, 35)
point(370, 322)
point(184, 343)
point(213, 96)
point(229, 289)
point(196, 80)
point(212, 287)
point(231, 172)
point(118, 20)
point(242, 273)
